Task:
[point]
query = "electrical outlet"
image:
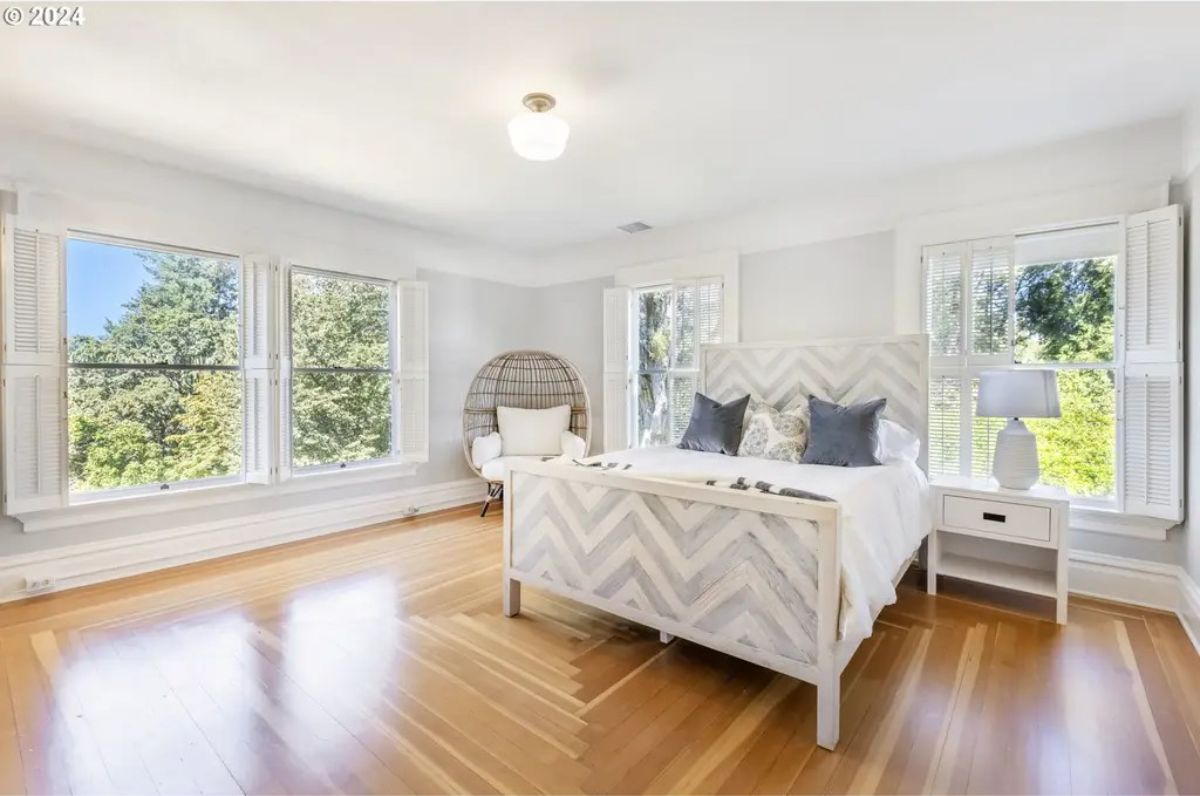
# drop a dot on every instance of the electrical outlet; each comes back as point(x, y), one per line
point(38, 583)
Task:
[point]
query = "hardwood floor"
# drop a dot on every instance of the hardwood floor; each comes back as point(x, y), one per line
point(378, 661)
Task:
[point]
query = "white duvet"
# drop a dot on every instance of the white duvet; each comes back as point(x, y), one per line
point(885, 514)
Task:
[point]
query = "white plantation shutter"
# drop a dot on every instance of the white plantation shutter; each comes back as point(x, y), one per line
point(258, 372)
point(944, 282)
point(710, 310)
point(35, 450)
point(1152, 292)
point(34, 371)
point(1151, 394)
point(33, 307)
point(1151, 479)
point(617, 374)
point(991, 296)
point(256, 305)
point(258, 425)
point(945, 424)
point(410, 426)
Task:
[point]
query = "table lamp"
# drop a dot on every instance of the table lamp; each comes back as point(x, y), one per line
point(1016, 394)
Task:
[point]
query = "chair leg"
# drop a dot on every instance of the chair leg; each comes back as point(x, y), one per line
point(495, 492)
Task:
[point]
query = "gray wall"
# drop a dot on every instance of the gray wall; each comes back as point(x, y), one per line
point(837, 288)
point(470, 321)
point(571, 321)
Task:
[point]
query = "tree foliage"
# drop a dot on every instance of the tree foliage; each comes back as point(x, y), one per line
point(1065, 314)
point(130, 426)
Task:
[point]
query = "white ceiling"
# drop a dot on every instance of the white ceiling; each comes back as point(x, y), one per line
point(678, 111)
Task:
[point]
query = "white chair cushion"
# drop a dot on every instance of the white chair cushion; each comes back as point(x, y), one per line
point(486, 448)
point(496, 468)
point(533, 432)
point(573, 446)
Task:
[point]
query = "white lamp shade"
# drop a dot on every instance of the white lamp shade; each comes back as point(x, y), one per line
point(538, 136)
point(1018, 393)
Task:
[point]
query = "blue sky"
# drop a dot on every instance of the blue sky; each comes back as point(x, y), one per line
point(100, 279)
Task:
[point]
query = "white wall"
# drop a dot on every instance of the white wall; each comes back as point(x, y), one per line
point(837, 288)
point(1188, 194)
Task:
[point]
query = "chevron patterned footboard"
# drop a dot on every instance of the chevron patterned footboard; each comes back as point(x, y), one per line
point(754, 576)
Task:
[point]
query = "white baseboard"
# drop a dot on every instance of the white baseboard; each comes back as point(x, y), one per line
point(1148, 584)
point(93, 562)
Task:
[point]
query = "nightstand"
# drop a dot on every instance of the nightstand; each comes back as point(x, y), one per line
point(982, 510)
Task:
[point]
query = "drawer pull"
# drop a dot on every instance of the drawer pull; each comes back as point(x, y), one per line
point(991, 516)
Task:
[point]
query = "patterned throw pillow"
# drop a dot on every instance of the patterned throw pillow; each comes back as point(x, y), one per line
point(772, 434)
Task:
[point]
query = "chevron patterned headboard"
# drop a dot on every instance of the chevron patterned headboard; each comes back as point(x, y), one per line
point(849, 370)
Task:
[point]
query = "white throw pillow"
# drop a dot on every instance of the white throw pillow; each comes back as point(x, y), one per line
point(896, 443)
point(533, 432)
point(486, 448)
point(768, 433)
point(572, 445)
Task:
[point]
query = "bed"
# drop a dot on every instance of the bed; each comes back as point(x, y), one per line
point(790, 584)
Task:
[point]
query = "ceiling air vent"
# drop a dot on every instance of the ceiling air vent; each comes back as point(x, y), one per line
point(634, 227)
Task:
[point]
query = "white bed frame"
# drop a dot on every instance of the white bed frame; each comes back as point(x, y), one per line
point(753, 575)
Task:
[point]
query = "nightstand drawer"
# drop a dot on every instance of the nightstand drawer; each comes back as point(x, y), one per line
point(997, 517)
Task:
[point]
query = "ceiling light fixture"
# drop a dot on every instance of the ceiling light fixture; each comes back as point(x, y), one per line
point(538, 135)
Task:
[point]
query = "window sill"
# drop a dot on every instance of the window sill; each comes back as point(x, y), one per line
point(199, 497)
point(1116, 523)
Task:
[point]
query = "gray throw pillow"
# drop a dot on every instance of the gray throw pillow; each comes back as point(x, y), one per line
point(715, 427)
point(843, 436)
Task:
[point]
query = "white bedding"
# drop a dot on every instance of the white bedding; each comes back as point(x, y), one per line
point(885, 514)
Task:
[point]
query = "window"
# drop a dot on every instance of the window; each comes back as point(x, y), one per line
point(131, 368)
point(671, 322)
point(1044, 300)
point(153, 383)
point(341, 353)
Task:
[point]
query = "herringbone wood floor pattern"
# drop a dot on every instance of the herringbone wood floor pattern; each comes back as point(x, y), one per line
point(377, 661)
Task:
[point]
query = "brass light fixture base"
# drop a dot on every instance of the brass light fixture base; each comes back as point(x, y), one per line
point(538, 102)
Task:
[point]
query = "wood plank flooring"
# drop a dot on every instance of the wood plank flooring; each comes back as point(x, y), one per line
point(377, 661)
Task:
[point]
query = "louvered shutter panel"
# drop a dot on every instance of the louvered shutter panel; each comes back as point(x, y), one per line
point(616, 368)
point(35, 450)
point(710, 310)
point(945, 424)
point(33, 307)
point(1153, 286)
point(1152, 434)
point(258, 415)
point(283, 392)
point(411, 418)
point(34, 371)
point(991, 276)
point(944, 299)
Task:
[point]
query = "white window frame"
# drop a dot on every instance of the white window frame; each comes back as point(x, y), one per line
point(119, 493)
point(287, 386)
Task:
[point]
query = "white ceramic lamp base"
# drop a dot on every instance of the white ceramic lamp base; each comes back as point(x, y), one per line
point(1016, 462)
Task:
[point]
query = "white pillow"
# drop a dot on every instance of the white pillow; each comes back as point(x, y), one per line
point(533, 432)
point(572, 445)
point(896, 443)
point(486, 448)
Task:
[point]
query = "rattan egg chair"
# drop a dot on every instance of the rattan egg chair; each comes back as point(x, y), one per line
point(525, 380)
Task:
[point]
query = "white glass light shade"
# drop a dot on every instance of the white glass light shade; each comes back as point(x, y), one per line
point(538, 136)
point(1018, 393)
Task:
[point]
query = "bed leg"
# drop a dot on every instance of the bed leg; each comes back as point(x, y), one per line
point(829, 708)
point(512, 597)
point(665, 637)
